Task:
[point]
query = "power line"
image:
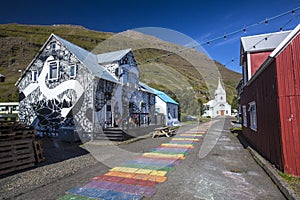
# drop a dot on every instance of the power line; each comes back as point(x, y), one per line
point(265, 38)
point(225, 36)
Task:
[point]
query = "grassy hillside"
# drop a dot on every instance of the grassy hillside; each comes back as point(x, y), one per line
point(185, 74)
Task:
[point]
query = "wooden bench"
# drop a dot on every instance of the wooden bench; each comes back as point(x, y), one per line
point(163, 131)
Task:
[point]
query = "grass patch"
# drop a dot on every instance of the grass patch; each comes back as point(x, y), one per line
point(236, 131)
point(293, 181)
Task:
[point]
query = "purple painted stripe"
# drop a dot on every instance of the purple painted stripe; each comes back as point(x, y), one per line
point(181, 142)
point(119, 187)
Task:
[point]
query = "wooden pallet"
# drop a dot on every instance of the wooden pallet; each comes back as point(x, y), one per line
point(13, 132)
point(38, 151)
point(16, 155)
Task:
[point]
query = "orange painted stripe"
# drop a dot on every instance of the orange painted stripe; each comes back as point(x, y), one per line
point(147, 177)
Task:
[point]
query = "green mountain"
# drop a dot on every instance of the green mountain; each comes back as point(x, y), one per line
point(187, 75)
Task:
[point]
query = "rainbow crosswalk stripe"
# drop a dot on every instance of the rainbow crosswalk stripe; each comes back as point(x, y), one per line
point(138, 178)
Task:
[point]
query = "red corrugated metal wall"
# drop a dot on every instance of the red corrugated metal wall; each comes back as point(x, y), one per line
point(288, 67)
point(257, 60)
point(267, 139)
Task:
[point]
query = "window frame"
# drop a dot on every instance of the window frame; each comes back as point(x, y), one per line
point(33, 77)
point(50, 69)
point(244, 108)
point(75, 70)
point(253, 115)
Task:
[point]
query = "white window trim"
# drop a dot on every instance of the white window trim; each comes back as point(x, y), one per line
point(249, 65)
point(244, 108)
point(253, 124)
point(75, 70)
point(32, 75)
point(57, 64)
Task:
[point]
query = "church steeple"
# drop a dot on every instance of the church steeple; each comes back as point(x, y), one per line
point(220, 93)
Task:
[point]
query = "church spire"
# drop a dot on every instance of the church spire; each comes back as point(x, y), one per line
point(220, 89)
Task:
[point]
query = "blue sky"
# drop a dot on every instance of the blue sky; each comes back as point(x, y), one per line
point(200, 20)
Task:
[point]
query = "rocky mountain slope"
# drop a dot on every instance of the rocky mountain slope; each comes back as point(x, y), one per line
point(187, 75)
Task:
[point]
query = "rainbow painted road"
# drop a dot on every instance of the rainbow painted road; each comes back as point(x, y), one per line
point(138, 178)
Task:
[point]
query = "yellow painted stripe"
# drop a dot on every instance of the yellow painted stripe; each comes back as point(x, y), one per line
point(139, 171)
point(181, 156)
point(177, 145)
point(189, 134)
point(124, 169)
point(193, 139)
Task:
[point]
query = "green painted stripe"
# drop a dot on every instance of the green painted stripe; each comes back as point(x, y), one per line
point(169, 153)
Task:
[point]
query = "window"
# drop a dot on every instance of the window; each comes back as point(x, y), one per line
point(244, 116)
point(53, 70)
point(253, 119)
point(73, 71)
point(124, 76)
point(34, 76)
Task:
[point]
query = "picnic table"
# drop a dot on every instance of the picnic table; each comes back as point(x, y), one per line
point(167, 131)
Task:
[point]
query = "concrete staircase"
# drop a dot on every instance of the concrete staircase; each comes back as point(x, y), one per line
point(113, 134)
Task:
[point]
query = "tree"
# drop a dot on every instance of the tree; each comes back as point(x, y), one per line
point(234, 103)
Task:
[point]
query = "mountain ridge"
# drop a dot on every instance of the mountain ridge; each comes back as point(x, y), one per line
point(171, 65)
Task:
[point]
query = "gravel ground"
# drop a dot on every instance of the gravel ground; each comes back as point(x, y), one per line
point(26, 181)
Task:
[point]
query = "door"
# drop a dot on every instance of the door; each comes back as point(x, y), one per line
point(222, 112)
point(108, 117)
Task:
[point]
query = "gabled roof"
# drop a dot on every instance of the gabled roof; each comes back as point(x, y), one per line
point(163, 96)
point(85, 57)
point(88, 59)
point(286, 41)
point(112, 56)
point(279, 48)
point(263, 42)
point(146, 88)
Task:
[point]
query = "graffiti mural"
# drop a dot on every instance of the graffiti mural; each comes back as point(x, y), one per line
point(66, 85)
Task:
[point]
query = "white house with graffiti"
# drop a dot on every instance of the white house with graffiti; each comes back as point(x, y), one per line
point(66, 85)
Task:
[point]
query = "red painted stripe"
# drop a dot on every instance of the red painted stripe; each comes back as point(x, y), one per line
point(129, 181)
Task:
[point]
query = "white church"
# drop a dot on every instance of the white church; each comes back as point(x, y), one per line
point(217, 106)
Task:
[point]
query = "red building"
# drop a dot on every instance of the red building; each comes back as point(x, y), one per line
point(270, 97)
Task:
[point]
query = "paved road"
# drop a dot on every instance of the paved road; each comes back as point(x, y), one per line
point(217, 168)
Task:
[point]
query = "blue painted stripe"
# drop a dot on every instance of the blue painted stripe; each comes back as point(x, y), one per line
point(103, 194)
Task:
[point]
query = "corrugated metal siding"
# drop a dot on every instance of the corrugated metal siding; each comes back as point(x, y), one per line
point(257, 60)
point(267, 139)
point(288, 66)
